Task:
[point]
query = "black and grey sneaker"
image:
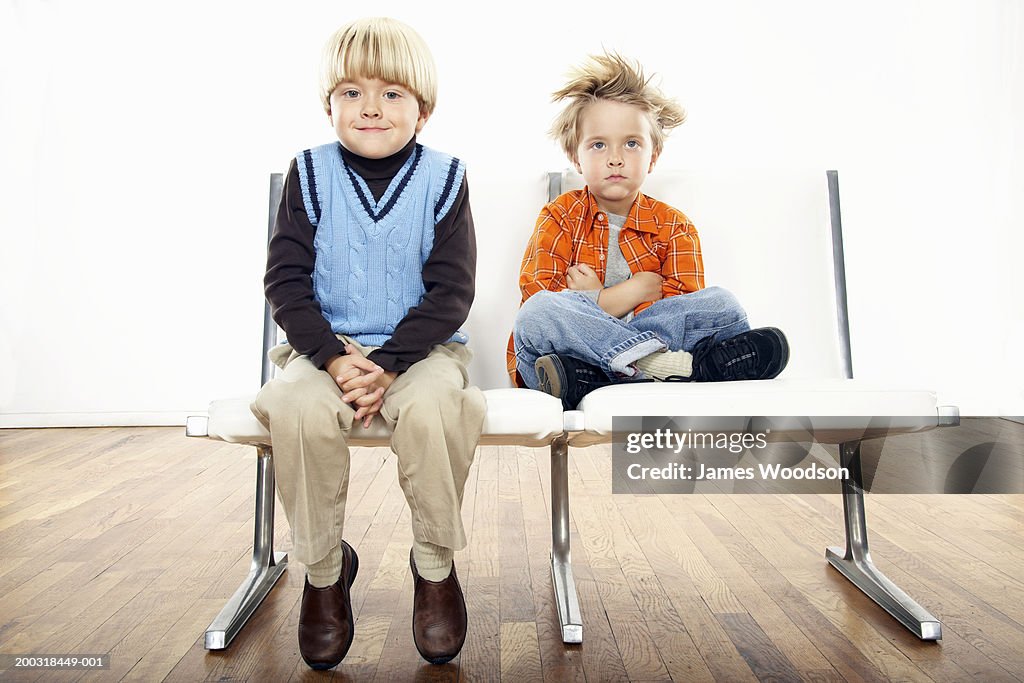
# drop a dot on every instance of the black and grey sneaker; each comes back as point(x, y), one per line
point(567, 378)
point(755, 354)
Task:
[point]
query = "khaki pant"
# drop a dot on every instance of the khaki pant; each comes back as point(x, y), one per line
point(436, 420)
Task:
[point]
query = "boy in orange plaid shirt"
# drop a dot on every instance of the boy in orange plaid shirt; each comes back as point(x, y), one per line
point(613, 280)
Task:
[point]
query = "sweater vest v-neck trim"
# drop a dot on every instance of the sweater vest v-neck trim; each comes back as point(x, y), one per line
point(378, 210)
point(368, 270)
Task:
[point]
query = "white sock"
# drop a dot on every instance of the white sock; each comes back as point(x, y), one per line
point(662, 364)
point(433, 562)
point(326, 572)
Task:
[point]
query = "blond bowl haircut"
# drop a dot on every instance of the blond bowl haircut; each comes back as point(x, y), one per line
point(612, 77)
point(379, 47)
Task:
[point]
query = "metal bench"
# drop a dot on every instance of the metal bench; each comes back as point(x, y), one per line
point(774, 239)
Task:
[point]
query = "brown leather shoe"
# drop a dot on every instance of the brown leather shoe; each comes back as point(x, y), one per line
point(438, 616)
point(326, 626)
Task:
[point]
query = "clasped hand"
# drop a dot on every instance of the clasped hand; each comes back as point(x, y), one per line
point(582, 277)
point(620, 299)
point(363, 383)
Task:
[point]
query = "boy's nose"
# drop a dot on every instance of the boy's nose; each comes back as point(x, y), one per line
point(370, 111)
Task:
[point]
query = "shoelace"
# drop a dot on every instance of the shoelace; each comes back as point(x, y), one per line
point(589, 375)
point(733, 358)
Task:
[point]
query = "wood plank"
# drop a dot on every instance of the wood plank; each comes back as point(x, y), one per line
point(757, 649)
point(154, 531)
point(38, 584)
point(97, 628)
point(166, 652)
point(707, 530)
point(112, 587)
point(515, 589)
point(601, 657)
point(520, 654)
point(849, 610)
point(478, 571)
point(639, 650)
point(708, 649)
point(481, 655)
point(987, 653)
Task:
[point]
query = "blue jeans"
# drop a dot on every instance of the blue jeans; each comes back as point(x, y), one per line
point(572, 324)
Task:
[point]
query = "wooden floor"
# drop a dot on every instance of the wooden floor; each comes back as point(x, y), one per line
point(129, 541)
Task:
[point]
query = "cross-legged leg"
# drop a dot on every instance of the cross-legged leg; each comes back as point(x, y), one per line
point(572, 324)
point(681, 321)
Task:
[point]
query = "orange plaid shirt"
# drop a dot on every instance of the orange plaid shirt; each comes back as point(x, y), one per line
point(572, 230)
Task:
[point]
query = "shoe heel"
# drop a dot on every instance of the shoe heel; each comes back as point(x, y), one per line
point(784, 347)
point(355, 564)
point(785, 351)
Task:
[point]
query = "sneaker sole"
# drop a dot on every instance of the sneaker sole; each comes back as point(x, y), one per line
point(550, 375)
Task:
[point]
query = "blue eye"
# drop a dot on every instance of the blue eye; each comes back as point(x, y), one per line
point(598, 145)
point(392, 95)
point(633, 144)
point(350, 94)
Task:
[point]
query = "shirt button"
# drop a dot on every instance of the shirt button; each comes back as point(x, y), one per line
point(600, 216)
point(602, 257)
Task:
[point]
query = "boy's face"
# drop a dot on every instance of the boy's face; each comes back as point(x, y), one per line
point(374, 118)
point(615, 153)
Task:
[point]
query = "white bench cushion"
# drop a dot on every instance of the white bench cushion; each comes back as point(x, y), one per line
point(514, 416)
point(522, 417)
point(820, 399)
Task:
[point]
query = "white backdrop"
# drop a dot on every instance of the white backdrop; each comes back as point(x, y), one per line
point(136, 140)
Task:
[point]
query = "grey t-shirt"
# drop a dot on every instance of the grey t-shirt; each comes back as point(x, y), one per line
point(616, 269)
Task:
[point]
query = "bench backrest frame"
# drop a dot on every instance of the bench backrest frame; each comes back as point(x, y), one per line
point(665, 182)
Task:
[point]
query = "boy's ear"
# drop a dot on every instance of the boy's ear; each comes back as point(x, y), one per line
point(576, 165)
point(654, 160)
point(422, 121)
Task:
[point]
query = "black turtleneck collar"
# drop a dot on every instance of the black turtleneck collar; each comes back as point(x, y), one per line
point(378, 169)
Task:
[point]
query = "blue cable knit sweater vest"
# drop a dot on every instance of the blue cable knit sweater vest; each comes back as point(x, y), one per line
point(370, 254)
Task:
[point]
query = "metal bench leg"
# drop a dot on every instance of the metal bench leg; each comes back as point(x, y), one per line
point(566, 598)
point(267, 566)
point(855, 564)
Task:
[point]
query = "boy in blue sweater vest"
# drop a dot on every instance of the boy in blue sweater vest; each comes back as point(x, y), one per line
point(370, 272)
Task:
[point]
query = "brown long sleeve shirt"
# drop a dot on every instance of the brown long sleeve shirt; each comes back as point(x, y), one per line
point(448, 273)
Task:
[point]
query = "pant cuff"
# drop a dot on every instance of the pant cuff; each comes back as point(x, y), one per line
point(621, 363)
point(444, 536)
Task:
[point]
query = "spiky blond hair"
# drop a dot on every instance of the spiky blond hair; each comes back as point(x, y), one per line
point(384, 48)
point(610, 76)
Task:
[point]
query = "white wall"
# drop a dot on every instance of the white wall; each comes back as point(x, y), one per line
point(135, 145)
